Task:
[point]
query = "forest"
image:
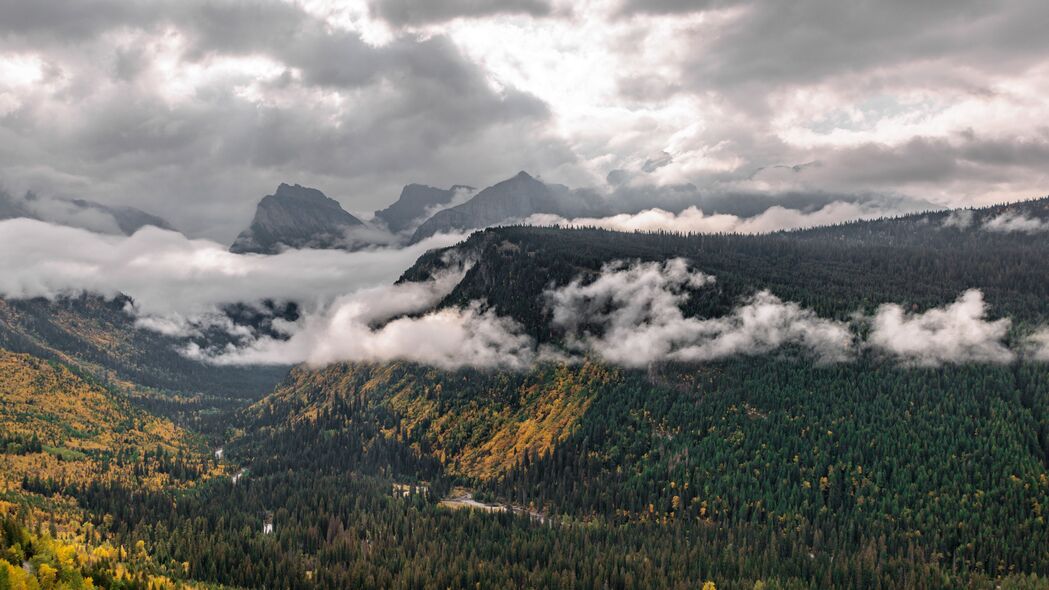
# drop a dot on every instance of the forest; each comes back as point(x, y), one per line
point(757, 471)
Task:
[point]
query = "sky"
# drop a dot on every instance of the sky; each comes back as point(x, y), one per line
point(195, 109)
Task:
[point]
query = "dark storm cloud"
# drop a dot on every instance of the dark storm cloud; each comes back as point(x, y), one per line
point(412, 12)
point(774, 42)
point(68, 20)
point(935, 160)
point(629, 7)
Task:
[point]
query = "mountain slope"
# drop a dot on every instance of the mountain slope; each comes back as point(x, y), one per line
point(835, 463)
point(915, 259)
point(60, 427)
point(415, 201)
point(516, 198)
point(296, 217)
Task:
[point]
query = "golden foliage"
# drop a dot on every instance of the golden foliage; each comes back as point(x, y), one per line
point(80, 425)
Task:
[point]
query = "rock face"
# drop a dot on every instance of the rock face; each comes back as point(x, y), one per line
point(516, 198)
point(415, 203)
point(296, 217)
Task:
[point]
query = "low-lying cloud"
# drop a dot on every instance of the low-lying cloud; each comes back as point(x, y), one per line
point(172, 276)
point(1013, 222)
point(957, 333)
point(378, 324)
point(694, 220)
point(631, 316)
point(628, 314)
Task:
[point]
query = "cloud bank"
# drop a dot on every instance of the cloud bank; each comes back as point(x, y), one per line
point(631, 316)
point(628, 314)
point(1013, 222)
point(170, 275)
point(694, 220)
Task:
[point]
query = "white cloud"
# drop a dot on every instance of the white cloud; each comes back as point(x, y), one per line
point(959, 219)
point(1011, 222)
point(957, 333)
point(631, 316)
point(694, 220)
point(375, 325)
point(1038, 345)
point(172, 276)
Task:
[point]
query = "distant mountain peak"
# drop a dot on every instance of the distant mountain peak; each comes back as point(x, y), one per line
point(514, 198)
point(415, 204)
point(295, 216)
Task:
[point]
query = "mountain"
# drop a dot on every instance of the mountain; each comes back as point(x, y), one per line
point(925, 259)
point(79, 213)
point(415, 203)
point(756, 471)
point(769, 470)
point(512, 199)
point(296, 217)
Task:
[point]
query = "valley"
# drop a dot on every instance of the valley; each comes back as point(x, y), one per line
point(772, 470)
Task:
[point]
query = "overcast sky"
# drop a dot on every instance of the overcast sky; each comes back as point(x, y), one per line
point(194, 109)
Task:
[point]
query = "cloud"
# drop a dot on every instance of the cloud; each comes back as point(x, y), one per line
point(411, 12)
point(1011, 222)
point(631, 316)
point(1038, 345)
point(171, 276)
point(194, 110)
point(373, 325)
point(957, 333)
point(959, 219)
point(694, 220)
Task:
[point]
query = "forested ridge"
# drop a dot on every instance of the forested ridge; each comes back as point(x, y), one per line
point(765, 471)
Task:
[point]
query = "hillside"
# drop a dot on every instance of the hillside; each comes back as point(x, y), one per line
point(837, 270)
point(816, 475)
point(60, 429)
point(763, 470)
point(99, 336)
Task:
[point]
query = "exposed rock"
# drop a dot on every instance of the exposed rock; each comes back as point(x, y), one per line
point(297, 217)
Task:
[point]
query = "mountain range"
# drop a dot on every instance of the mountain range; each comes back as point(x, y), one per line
point(299, 217)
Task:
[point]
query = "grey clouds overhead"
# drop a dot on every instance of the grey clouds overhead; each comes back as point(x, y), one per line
point(195, 109)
